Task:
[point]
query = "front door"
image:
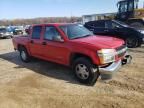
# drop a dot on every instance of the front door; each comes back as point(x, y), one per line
point(99, 28)
point(55, 51)
point(111, 28)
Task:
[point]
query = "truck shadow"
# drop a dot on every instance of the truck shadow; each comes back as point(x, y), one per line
point(136, 51)
point(42, 67)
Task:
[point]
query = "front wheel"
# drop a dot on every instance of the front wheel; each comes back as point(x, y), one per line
point(132, 42)
point(85, 71)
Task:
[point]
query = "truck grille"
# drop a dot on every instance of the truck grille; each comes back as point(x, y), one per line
point(121, 51)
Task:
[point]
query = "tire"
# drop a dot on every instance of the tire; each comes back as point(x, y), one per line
point(132, 42)
point(25, 57)
point(9, 37)
point(85, 71)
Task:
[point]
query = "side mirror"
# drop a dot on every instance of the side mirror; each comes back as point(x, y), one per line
point(58, 39)
point(117, 27)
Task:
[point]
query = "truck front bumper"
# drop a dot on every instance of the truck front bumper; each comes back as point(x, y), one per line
point(109, 71)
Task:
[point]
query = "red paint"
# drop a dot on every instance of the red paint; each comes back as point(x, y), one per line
point(60, 52)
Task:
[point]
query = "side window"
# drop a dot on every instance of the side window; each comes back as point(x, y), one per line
point(108, 24)
point(99, 24)
point(50, 32)
point(36, 32)
point(111, 25)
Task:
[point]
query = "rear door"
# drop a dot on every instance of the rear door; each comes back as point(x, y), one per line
point(35, 41)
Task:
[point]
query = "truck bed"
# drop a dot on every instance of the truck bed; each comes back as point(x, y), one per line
point(23, 40)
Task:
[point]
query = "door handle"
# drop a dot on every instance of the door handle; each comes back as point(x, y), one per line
point(32, 42)
point(44, 43)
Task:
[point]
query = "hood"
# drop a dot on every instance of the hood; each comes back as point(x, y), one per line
point(101, 42)
point(137, 32)
point(134, 29)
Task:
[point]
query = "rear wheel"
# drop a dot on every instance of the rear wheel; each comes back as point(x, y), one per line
point(25, 57)
point(85, 71)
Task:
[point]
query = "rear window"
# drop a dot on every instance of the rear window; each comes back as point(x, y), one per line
point(99, 24)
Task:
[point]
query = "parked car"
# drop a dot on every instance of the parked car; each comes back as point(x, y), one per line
point(73, 45)
point(132, 36)
point(5, 33)
point(17, 30)
point(27, 29)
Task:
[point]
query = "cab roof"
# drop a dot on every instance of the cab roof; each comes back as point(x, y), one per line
point(53, 24)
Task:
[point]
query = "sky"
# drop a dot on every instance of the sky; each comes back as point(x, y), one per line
point(13, 9)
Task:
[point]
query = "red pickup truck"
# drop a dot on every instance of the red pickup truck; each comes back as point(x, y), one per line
point(90, 56)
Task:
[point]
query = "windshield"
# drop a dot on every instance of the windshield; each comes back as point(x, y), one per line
point(74, 31)
point(121, 23)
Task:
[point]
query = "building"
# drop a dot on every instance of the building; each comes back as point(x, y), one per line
point(93, 17)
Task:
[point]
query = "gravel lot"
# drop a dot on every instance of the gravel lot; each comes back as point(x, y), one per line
point(40, 84)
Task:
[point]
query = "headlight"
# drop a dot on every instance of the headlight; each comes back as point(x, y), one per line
point(106, 55)
point(142, 31)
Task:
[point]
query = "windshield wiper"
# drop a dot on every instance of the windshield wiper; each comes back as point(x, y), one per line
point(87, 35)
point(82, 36)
